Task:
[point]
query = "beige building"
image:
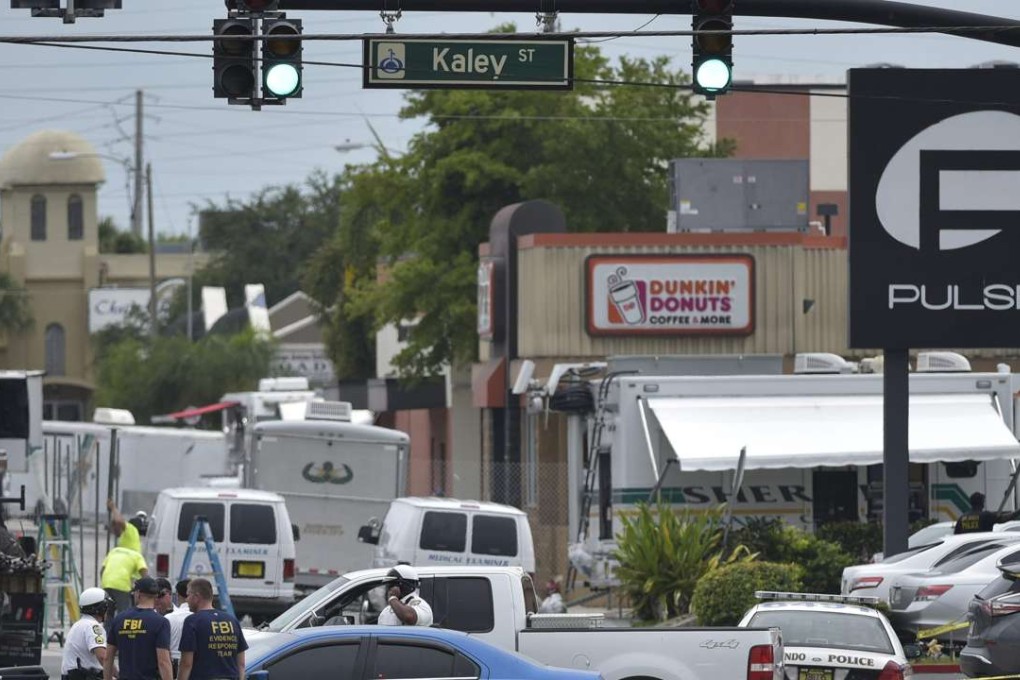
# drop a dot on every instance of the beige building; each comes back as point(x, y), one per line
point(49, 244)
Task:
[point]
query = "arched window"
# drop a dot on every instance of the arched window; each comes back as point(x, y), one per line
point(38, 218)
point(75, 218)
point(55, 349)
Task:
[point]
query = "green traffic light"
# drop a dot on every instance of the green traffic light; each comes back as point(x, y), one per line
point(712, 75)
point(283, 80)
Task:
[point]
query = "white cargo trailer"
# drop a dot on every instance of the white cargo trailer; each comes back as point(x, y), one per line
point(335, 476)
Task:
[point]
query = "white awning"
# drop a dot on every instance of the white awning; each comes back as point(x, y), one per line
point(804, 432)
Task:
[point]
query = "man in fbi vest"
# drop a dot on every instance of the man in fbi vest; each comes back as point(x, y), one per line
point(979, 519)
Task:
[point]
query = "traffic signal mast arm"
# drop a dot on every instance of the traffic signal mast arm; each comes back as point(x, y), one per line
point(877, 12)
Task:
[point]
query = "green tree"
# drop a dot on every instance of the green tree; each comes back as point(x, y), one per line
point(15, 309)
point(600, 152)
point(267, 239)
point(113, 240)
point(156, 376)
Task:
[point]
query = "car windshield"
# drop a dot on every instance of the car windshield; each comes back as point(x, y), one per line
point(967, 559)
point(261, 646)
point(826, 629)
point(301, 608)
point(899, 557)
point(929, 534)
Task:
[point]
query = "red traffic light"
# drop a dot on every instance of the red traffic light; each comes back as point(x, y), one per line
point(713, 6)
point(260, 5)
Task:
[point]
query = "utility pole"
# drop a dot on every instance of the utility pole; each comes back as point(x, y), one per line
point(191, 274)
point(136, 210)
point(152, 256)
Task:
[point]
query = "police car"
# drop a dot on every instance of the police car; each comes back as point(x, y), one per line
point(831, 637)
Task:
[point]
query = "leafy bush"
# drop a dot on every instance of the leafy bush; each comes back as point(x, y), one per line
point(723, 595)
point(775, 541)
point(858, 539)
point(663, 554)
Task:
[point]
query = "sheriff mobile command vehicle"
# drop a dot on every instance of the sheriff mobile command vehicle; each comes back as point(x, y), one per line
point(811, 440)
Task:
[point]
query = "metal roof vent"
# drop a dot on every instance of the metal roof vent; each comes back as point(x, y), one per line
point(329, 410)
point(942, 362)
point(822, 362)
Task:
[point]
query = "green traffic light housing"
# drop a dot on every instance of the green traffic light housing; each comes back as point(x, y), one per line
point(712, 45)
point(281, 59)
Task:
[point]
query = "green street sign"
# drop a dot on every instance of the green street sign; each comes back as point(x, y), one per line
point(455, 64)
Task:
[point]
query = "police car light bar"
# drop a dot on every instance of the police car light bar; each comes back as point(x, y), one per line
point(772, 595)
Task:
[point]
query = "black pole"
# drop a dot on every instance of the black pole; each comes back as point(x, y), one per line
point(896, 457)
point(877, 12)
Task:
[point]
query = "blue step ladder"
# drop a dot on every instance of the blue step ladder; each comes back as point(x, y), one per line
point(202, 529)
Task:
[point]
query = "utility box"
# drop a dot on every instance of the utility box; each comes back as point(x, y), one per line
point(720, 194)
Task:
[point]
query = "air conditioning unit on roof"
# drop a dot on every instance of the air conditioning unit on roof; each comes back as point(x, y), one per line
point(329, 410)
point(942, 362)
point(822, 362)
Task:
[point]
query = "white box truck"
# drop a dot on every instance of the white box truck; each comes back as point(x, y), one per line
point(335, 476)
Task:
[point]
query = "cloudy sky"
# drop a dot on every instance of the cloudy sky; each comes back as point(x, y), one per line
point(202, 149)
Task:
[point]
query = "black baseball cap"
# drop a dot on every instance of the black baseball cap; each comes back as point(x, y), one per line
point(146, 585)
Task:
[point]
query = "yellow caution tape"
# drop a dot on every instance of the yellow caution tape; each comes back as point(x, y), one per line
point(938, 630)
point(1001, 677)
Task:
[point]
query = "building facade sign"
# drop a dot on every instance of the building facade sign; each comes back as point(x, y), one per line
point(111, 306)
point(486, 290)
point(670, 294)
point(308, 360)
point(935, 205)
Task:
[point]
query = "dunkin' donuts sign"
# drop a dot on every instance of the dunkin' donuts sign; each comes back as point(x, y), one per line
point(670, 294)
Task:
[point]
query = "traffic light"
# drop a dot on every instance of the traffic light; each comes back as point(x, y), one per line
point(712, 67)
point(258, 6)
point(281, 59)
point(234, 60)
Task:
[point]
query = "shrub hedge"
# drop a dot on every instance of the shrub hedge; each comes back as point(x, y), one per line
point(723, 595)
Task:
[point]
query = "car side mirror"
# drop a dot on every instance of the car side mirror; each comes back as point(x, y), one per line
point(257, 675)
point(912, 650)
point(368, 534)
point(295, 531)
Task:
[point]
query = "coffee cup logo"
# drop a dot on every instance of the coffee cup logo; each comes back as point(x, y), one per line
point(625, 297)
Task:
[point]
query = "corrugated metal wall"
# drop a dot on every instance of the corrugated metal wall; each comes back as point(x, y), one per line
point(552, 304)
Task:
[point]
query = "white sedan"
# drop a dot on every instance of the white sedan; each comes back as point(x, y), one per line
point(831, 637)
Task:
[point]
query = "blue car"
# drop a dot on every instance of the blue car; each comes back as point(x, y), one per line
point(391, 653)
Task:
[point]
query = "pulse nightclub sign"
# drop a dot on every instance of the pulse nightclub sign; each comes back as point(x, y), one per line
point(934, 208)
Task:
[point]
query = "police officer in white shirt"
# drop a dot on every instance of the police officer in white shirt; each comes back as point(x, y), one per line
point(404, 604)
point(85, 645)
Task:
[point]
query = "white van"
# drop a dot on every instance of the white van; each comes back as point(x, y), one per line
point(447, 531)
point(254, 542)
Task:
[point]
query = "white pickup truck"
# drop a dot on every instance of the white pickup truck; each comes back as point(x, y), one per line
point(497, 604)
